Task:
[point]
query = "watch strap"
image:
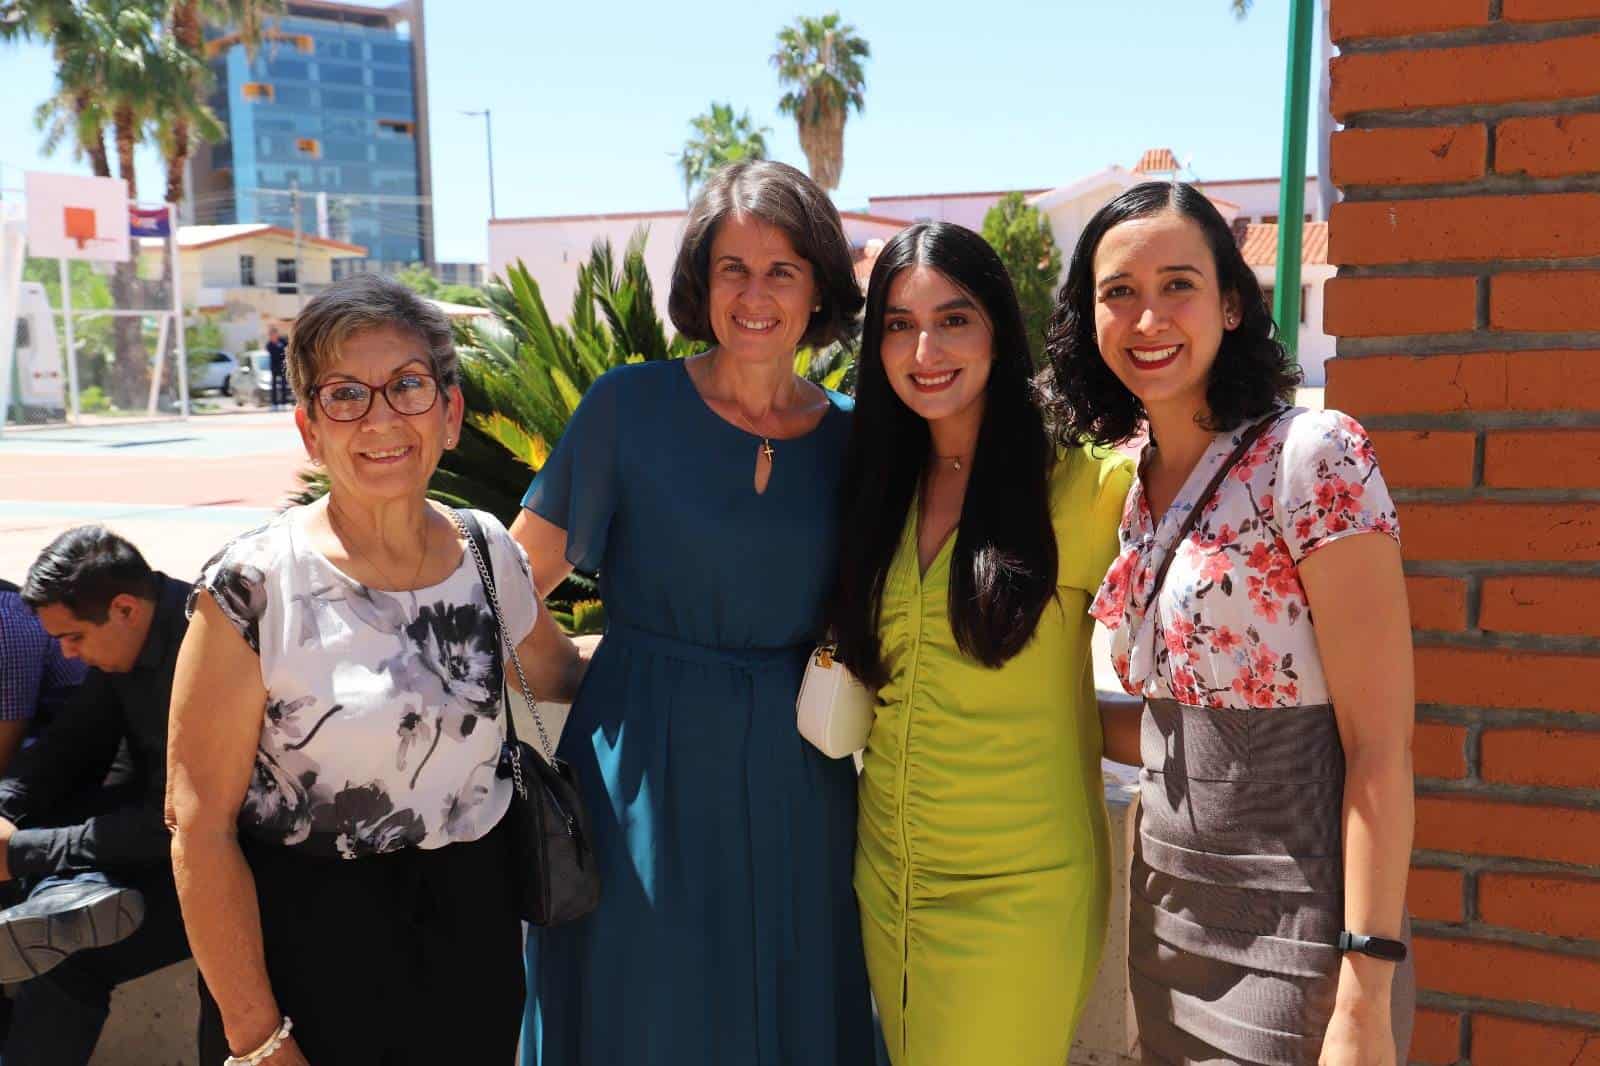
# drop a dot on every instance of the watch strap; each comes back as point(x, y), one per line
point(1376, 946)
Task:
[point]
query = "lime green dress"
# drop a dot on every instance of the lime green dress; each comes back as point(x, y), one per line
point(982, 855)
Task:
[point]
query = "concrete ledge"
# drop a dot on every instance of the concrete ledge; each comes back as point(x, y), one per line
point(153, 1021)
point(1107, 1033)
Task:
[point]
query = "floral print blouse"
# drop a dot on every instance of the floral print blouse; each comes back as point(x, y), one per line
point(382, 727)
point(1232, 628)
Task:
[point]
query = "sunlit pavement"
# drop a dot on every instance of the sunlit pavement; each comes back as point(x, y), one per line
point(178, 489)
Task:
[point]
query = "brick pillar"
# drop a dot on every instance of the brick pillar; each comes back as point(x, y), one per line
point(1467, 309)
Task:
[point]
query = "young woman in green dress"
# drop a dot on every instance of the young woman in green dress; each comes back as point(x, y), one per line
point(971, 547)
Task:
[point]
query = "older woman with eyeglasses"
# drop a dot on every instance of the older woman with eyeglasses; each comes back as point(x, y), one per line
point(336, 729)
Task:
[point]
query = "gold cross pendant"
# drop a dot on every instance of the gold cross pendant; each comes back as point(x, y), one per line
point(766, 448)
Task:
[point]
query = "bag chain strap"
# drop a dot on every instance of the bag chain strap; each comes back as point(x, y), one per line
point(516, 660)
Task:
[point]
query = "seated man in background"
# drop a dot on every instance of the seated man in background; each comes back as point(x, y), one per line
point(92, 852)
point(35, 678)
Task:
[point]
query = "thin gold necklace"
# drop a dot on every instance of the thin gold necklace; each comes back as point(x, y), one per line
point(766, 441)
point(349, 542)
point(954, 460)
point(745, 424)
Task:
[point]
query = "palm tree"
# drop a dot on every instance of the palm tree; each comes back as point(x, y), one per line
point(819, 62)
point(719, 137)
point(185, 20)
point(76, 112)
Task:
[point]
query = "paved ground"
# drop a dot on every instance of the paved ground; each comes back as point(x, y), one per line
point(177, 489)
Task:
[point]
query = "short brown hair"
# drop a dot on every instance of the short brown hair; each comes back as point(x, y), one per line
point(354, 305)
point(780, 196)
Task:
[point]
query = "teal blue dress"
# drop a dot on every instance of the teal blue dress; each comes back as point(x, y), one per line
point(727, 932)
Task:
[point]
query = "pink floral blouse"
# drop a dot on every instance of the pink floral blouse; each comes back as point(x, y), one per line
point(1232, 628)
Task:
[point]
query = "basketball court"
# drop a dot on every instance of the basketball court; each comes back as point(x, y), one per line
point(177, 489)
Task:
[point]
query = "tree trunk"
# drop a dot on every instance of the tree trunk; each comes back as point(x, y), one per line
point(186, 29)
point(130, 381)
point(822, 140)
point(94, 145)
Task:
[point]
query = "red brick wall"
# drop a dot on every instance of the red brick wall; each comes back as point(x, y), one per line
point(1467, 308)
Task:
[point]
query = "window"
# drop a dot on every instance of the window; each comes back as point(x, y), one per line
point(287, 276)
point(341, 125)
point(24, 334)
point(391, 53)
point(391, 79)
point(247, 271)
point(396, 154)
point(293, 96)
point(397, 127)
point(390, 104)
point(342, 100)
point(293, 69)
point(1305, 299)
point(258, 90)
point(345, 151)
point(335, 74)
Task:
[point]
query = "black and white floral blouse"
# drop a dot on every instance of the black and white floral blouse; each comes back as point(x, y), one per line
point(383, 718)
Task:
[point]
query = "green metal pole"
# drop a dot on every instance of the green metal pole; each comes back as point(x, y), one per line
point(1292, 186)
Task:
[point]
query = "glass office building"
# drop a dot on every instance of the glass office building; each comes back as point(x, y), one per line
point(328, 118)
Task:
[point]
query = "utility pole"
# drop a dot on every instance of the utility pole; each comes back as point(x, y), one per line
point(1292, 181)
point(294, 206)
point(488, 133)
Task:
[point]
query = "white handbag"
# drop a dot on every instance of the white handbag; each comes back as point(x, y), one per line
point(834, 710)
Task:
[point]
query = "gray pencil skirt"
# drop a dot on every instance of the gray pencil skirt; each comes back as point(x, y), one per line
point(1236, 896)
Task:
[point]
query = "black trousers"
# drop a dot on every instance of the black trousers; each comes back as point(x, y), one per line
point(410, 957)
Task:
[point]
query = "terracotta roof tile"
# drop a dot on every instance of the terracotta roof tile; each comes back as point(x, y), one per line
point(1260, 244)
point(1156, 161)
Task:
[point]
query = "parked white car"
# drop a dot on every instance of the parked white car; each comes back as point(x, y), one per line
point(212, 370)
point(251, 380)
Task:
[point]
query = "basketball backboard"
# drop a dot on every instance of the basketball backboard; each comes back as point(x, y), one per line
point(75, 217)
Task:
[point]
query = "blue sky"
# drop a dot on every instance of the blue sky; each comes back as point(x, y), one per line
point(592, 101)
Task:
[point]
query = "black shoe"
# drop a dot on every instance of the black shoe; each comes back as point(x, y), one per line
point(63, 918)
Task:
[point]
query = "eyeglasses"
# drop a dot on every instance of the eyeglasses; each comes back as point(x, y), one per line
point(349, 401)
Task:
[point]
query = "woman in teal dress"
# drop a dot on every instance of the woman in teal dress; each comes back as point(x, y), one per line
point(704, 491)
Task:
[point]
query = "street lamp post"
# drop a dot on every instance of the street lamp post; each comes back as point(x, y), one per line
point(488, 134)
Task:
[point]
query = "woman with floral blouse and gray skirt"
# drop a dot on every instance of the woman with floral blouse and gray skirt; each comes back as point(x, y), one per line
point(336, 729)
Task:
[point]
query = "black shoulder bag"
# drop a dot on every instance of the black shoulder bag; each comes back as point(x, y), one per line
point(557, 877)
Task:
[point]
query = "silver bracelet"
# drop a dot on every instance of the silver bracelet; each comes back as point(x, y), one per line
point(265, 1051)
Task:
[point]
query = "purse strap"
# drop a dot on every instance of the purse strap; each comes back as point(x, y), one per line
point(469, 526)
point(1250, 437)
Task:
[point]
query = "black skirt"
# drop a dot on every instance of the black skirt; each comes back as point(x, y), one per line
point(408, 957)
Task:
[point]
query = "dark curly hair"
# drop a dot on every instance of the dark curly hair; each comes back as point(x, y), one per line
point(1252, 373)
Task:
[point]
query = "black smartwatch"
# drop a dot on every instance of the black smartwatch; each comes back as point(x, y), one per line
point(1376, 946)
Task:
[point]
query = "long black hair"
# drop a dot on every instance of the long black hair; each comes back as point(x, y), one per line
point(1252, 373)
point(1003, 568)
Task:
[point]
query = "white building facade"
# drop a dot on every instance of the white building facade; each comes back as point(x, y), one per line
point(553, 247)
